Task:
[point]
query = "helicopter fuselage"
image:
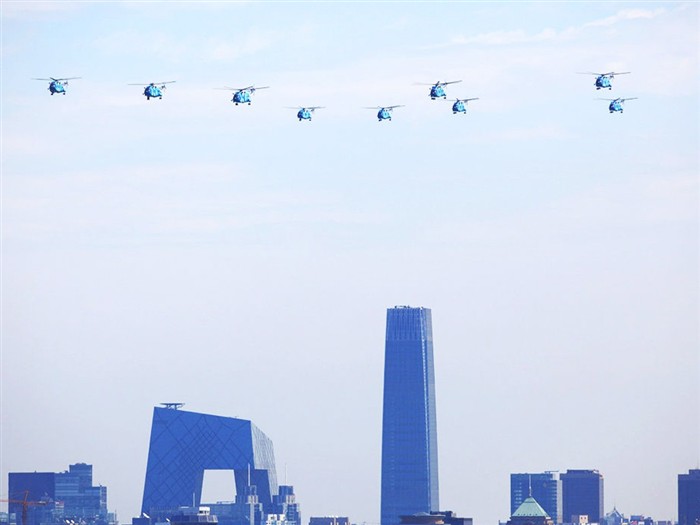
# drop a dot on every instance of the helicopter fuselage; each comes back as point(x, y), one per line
point(615, 106)
point(57, 86)
point(459, 107)
point(603, 82)
point(304, 114)
point(384, 114)
point(241, 97)
point(152, 91)
point(437, 91)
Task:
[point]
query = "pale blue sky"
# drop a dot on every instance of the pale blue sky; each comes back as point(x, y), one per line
point(240, 261)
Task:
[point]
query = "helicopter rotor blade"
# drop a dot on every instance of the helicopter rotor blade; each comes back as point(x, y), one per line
point(630, 98)
point(393, 107)
point(44, 79)
point(450, 82)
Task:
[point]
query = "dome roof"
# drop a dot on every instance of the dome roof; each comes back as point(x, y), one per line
point(530, 508)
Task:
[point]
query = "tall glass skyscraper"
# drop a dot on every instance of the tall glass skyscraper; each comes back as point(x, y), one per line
point(409, 429)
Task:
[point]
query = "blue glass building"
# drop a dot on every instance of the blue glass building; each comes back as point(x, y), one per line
point(544, 487)
point(185, 444)
point(409, 428)
point(65, 496)
point(689, 497)
point(582, 493)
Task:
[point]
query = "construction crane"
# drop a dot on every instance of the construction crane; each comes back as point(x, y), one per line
point(25, 503)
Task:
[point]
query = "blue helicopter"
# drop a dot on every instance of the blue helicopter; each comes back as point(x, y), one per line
point(460, 105)
point(242, 95)
point(604, 80)
point(437, 90)
point(152, 90)
point(57, 85)
point(384, 111)
point(617, 103)
point(304, 113)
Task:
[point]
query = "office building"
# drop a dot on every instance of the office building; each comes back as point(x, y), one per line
point(58, 497)
point(689, 498)
point(582, 494)
point(184, 444)
point(284, 503)
point(409, 483)
point(545, 487)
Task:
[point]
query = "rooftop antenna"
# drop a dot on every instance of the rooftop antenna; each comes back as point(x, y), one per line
point(173, 406)
point(529, 485)
point(285, 473)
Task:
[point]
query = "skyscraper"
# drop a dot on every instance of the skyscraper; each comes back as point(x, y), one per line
point(689, 497)
point(409, 429)
point(582, 493)
point(545, 487)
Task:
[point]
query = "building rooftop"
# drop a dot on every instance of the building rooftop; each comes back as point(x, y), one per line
point(530, 508)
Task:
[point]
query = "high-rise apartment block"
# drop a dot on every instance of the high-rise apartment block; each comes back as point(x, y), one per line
point(582, 494)
point(545, 487)
point(689, 498)
point(409, 429)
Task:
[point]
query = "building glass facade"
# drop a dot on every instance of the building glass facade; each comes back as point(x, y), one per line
point(546, 489)
point(285, 504)
point(64, 496)
point(689, 498)
point(409, 430)
point(582, 494)
point(185, 444)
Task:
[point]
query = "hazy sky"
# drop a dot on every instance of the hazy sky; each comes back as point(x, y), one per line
point(240, 261)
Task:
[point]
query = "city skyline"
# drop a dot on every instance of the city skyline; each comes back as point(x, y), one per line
point(237, 260)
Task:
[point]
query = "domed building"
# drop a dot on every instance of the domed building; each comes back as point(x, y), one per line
point(530, 513)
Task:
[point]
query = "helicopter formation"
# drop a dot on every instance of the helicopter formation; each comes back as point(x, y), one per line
point(604, 81)
point(437, 91)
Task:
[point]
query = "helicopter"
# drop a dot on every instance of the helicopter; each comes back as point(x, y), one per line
point(617, 103)
point(460, 105)
point(305, 113)
point(153, 91)
point(384, 111)
point(242, 95)
point(604, 80)
point(57, 85)
point(436, 90)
